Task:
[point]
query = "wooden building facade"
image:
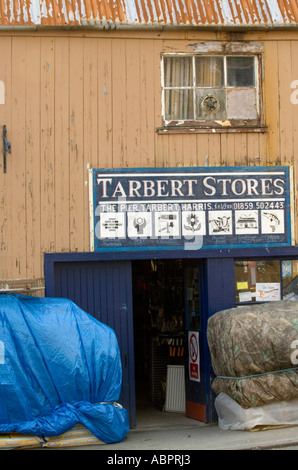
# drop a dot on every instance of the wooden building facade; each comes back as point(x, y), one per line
point(80, 95)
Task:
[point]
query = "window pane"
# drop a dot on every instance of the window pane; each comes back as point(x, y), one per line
point(241, 71)
point(211, 104)
point(178, 71)
point(241, 103)
point(209, 71)
point(178, 105)
point(257, 281)
point(290, 280)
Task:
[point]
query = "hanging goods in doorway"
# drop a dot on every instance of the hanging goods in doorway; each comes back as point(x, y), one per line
point(176, 347)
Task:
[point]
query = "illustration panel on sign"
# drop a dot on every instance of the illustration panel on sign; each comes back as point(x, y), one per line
point(273, 221)
point(112, 225)
point(220, 223)
point(139, 224)
point(193, 223)
point(246, 222)
point(167, 224)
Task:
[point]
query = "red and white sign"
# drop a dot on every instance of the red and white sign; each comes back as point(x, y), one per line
point(194, 355)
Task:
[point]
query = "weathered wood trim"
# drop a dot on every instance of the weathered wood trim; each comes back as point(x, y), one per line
point(210, 130)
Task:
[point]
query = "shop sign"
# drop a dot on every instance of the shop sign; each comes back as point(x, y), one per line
point(189, 208)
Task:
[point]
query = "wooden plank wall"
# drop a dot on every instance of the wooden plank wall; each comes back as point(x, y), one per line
point(72, 103)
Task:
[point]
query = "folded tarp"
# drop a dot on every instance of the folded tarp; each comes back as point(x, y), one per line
point(58, 366)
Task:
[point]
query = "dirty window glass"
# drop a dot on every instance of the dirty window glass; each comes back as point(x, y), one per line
point(179, 104)
point(178, 71)
point(209, 71)
point(206, 89)
point(257, 281)
point(290, 279)
point(240, 71)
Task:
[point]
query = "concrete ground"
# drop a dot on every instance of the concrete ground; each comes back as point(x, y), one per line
point(162, 431)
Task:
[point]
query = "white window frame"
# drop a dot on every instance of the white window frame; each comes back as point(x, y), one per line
point(243, 123)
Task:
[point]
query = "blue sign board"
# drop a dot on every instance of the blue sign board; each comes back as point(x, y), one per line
point(189, 208)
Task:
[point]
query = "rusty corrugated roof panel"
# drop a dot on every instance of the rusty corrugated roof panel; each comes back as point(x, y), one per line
point(142, 13)
point(218, 12)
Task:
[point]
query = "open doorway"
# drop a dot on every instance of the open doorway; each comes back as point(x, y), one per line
point(159, 327)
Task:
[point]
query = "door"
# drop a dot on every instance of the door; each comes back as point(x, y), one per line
point(103, 289)
point(195, 389)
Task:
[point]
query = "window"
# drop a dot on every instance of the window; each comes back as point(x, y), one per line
point(290, 280)
point(211, 89)
point(266, 280)
point(257, 281)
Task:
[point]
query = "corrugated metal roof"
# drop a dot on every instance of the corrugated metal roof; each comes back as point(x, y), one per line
point(144, 13)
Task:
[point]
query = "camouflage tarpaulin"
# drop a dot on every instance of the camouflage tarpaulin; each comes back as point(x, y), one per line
point(251, 351)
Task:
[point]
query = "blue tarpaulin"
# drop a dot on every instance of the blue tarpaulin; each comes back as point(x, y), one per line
point(59, 366)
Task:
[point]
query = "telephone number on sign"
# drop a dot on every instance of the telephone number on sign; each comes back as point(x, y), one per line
point(259, 205)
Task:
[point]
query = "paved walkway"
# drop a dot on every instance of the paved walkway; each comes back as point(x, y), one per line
point(174, 432)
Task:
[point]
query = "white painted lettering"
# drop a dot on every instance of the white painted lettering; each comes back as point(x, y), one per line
point(119, 189)
point(208, 186)
point(134, 186)
point(190, 186)
point(266, 185)
point(279, 184)
point(236, 184)
point(224, 185)
point(176, 186)
point(161, 188)
point(252, 185)
point(104, 182)
point(149, 188)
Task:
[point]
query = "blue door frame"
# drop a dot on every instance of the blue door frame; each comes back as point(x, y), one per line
point(218, 290)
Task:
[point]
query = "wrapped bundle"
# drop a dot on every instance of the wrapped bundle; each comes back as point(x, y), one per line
point(251, 351)
point(232, 416)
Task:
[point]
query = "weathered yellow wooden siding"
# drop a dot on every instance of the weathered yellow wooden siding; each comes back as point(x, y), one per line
point(75, 102)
